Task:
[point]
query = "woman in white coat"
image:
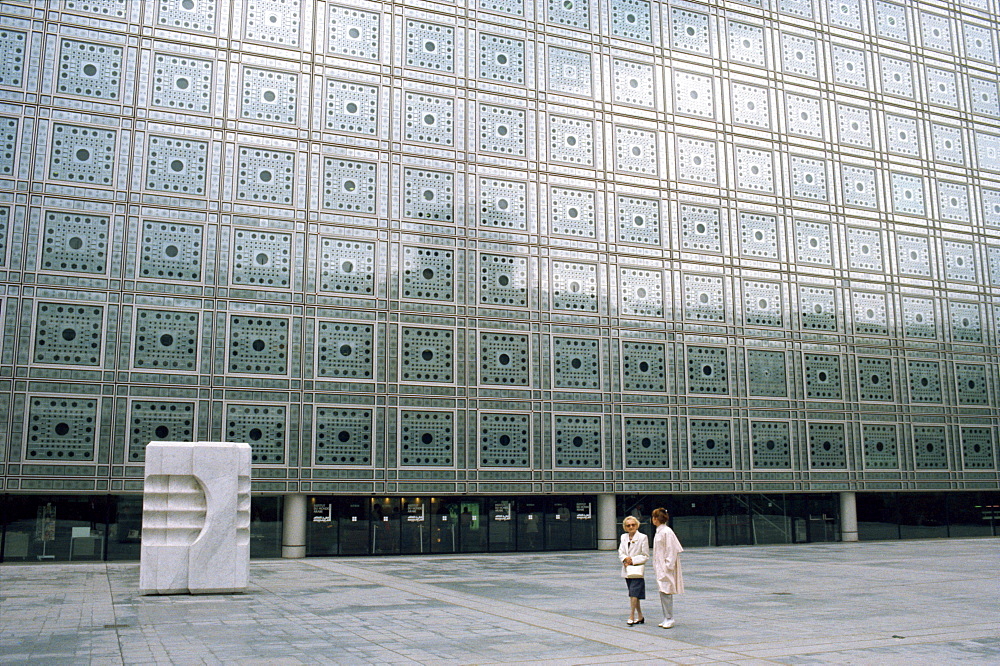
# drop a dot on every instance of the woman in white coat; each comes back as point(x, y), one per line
point(634, 550)
point(666, 565)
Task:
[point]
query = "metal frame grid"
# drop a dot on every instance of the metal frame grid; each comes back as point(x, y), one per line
point(519, 247)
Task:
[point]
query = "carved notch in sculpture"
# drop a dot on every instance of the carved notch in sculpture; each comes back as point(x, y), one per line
point(195, 518)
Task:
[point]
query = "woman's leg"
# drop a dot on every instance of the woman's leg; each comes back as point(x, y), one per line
point(667, 602)
point(633, 607)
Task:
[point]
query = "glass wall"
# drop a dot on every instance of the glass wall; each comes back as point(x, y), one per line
point(741, 520)
point(413, 525)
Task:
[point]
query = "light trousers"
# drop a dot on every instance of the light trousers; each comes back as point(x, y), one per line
point(667, 602)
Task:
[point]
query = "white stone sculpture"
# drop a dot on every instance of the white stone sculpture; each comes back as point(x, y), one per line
point(195, 518)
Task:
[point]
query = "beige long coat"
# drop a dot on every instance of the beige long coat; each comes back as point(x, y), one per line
point(666, 561)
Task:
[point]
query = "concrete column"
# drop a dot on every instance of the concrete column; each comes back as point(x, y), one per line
point(607, 523)
point(293, 527)
point(848, 517)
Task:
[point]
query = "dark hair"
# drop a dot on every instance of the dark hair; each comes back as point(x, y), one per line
point(661, 515)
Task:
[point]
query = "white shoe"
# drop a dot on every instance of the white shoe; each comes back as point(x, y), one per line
point(666, 624)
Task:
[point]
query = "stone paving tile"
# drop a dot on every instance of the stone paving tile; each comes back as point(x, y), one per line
point(886, 603)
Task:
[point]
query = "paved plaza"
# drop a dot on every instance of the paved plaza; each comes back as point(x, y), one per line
point(917, 602)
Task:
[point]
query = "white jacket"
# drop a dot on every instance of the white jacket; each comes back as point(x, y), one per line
point(637, 549)
point(667, 561)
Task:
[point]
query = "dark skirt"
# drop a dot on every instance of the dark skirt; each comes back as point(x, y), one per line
point(636, 587)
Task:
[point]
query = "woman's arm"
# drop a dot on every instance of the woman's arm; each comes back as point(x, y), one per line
point(643, 554)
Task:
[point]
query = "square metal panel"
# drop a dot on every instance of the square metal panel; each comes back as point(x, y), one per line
point(704, 299)
point(864, 250)
point(428, 273)
point(631, 19)
point(68, 334)
point(430, 46)
point(427, 355)
point(570, 72)
point(166, 340)
point(504, 439)
point(82, 155)
point(182, 83)
point(353, 33)
point(638, 220)
point(347, 267)
point(746, 43)
point(177, 165)
point(577, 440)
point(571, 140)
point(570, 13)
point(930, 447)
point(766, 373)
point(643, 366)
point(501, 59)
point(700, 228)
point(343, 436)
point(751, 105)
point(711, 443)
point(647, 442)
point(502, 130)
point(345, 349)
point(503, 204)
point(429, 119)
point(891, 21)
point(635, 151)
point(971, 384)
point(349, 185)
point(258, 345)
point(428, 195)
point(352, 108)
point(265, 176)
point(269, 96)
point(697, 161)
point(75, 243)
point(572, 212)
point(273, 22)
point(924, 379)
point(90, 69)
point(919, 320)
point(875, 379)
point(504, 358)
point(503, 280)
point(869, 312)
point(708, 370)
point(171, 250)
point(197, 15)
point(880, 443)
point(817, 308)
point(977, 447)
point(690, 31)
point(574, 286)
point(61, 429)
point(813, 244)
point(576, 363)
point(263, 427)
point(771, 442)
point(261, 258)
point(762, 303)
point(827, 446)
point(640, 292)
point(158, 421)
point(823, 376)
point(633, 83)
point(758, 235)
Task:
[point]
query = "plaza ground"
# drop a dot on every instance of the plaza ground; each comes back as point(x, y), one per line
point(899, 602)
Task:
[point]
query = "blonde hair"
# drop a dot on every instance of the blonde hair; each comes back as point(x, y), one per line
point(631, 519)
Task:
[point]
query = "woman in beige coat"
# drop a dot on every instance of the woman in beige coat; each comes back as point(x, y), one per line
point(666, 565)
point(634, 550)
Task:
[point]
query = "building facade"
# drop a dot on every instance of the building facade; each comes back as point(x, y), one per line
point(489, 274)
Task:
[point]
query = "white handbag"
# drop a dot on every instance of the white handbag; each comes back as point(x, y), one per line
point(635, 570)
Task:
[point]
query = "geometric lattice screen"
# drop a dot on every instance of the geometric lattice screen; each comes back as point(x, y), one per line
point(503, 248)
